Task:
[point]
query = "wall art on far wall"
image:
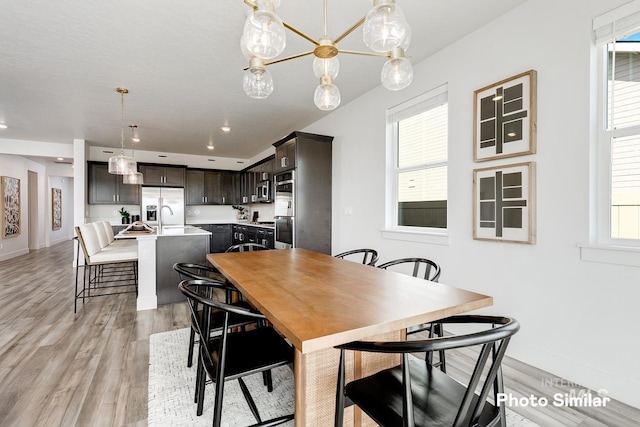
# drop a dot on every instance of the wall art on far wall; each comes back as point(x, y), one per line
point(10, 206)
point(505, 118)
point(504, 203)
point(56, 208)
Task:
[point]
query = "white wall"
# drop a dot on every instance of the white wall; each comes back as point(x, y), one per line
point(18, 167)
point(578, 318)
point(66, 232)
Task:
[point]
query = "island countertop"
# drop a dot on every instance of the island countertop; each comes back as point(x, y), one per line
point(169, 230)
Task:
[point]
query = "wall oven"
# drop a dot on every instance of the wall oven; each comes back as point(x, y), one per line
point(284, 210)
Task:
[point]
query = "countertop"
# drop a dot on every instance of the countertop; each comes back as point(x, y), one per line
point(170, 230)
point(269, 225)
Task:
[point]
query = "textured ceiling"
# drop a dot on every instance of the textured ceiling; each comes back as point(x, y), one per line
point(61, 61)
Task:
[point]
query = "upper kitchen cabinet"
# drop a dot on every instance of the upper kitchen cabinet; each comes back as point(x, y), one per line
point(108, 189)
point(210, 187)
point(285, 153)
point(300, 147)
point(163, 175)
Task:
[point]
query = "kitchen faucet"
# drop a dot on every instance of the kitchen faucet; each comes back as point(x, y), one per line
point(160, 216)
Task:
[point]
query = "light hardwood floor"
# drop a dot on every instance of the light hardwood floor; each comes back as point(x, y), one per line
point(91, 368)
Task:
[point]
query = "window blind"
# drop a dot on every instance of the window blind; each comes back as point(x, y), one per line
point(617, 23)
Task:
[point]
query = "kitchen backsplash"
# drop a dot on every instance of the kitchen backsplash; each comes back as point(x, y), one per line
point(193, 214)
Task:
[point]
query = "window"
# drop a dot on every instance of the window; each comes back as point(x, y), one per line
point(417, 137)
point(618, 153)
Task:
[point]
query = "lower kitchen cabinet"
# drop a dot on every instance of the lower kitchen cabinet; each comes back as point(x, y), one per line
point(221, 237)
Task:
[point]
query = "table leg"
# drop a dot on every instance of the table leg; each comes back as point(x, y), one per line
point(316, 376)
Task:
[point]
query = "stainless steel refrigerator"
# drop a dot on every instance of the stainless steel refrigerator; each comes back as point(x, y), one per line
point(165, 201)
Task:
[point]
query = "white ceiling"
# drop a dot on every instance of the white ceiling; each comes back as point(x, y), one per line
point(61, 61)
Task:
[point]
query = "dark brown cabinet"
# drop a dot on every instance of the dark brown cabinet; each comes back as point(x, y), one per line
point(163, 175)
point(210, 187)
point(108, 189)
point(285, 155)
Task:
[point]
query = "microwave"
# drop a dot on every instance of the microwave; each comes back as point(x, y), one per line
point(263, 191)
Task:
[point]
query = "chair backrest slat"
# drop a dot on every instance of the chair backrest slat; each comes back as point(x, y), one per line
point(431, 268)
point(369, 256)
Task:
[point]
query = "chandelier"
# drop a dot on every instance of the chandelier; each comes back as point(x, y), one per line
point(385, 31)
point(134, 177)
point(122, 165)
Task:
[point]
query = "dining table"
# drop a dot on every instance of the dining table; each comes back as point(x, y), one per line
point(317, 301)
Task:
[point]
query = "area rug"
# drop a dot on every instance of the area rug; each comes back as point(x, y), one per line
point(171, 390)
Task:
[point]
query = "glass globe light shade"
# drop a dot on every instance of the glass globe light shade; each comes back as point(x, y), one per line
point(122, 165)
point(264, 35)
point(327, 96)
point(385, 28)
point(244, 49)
point(135, 178)
point(326, 67)
point(257, 82)
point(397, 73)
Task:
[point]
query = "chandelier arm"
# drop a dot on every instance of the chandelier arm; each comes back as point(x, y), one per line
point(349, 30)
point(355, 52)
point(300, 33)
point(251, 4)
point(288, 58)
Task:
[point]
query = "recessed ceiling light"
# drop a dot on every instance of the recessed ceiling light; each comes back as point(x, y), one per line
point(161, 155)
point(61, 158)
point(210, 147)
point(135, 139)
point(225, 128)
point(3, 126)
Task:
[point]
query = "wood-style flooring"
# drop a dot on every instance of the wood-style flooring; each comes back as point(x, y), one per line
point(58, 368)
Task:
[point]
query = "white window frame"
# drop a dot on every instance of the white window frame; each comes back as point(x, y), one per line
point(407, 109)
point(602, 247)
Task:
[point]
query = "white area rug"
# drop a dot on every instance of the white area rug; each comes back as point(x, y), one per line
point(172, 388)
point(172, 384)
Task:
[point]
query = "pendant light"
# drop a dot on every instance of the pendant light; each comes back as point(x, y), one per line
point(122, 165)
point(135, 178)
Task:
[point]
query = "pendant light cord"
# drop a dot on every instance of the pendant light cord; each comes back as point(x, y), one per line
point(122, 122)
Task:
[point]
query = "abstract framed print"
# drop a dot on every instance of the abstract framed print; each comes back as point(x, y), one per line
point(504, 203)
point(505, 118)
point(56, 208)
point(10, 207)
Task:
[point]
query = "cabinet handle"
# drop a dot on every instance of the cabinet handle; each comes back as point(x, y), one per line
point(222, 199)
point(114, 197)
point(118, 197)
point(205, 199)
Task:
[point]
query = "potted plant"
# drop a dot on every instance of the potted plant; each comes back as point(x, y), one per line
point(125, 215)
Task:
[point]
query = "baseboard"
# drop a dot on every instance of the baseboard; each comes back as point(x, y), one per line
point(622, 389)
point(14, 254)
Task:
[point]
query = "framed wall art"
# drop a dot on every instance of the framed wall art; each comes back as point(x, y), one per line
point(56, 208)
point(505, 118)
point(10, 206)
point(504, 203)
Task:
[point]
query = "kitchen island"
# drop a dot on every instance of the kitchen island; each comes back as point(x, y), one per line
point(157, 252)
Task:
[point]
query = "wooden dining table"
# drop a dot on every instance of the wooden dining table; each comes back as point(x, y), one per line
point(317, 301)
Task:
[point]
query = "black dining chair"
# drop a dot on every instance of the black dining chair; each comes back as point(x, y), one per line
point(369, 256)
point(247, 247)
point(203, 272)
point(415, 394)
point(429, 270)
point(232, 354)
